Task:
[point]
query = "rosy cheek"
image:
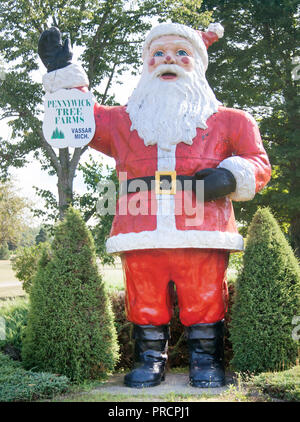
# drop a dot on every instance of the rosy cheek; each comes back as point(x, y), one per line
point(152, 61)
point(185, 60)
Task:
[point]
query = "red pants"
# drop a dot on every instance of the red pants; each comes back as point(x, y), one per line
point(199, 276)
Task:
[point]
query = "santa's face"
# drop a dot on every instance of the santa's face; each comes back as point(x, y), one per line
point(171, 49)
point(172, 98)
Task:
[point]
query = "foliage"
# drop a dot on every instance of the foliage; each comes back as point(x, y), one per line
point(4, 251)
point(267, 299)
point(254, 67)
point(25, 263)
point(235, 266)
point(15, 316)
point(124, 330)
point(16, 384)
point(11, 209)
point(187, 12)
point(283, 385)
point(28, 236)
point(41, 236)
point(70, 323)
point(236, 261)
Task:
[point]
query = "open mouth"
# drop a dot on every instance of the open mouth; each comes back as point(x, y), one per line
point(168, 75)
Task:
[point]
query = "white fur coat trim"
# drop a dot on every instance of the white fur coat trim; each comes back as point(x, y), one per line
point(71, 76)
point(175, 239)
point(244, 174)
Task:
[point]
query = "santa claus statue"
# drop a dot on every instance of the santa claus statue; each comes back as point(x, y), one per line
point(173, 130)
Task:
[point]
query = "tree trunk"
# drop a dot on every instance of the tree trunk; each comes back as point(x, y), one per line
point(65, 175)
point(64, 183)
point(65, 194)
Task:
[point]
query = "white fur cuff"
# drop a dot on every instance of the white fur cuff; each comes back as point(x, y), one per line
point(71, 76)
point(217, 28)
point(244, 174)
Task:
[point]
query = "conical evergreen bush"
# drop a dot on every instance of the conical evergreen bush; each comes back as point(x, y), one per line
point(70, 327)
point(267, 299)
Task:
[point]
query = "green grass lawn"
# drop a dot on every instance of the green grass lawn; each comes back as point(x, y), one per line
point(112, 276)
point(6, 272)
point(7, 276)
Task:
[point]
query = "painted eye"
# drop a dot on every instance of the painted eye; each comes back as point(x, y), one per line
point(158, 53)
point(182, 53)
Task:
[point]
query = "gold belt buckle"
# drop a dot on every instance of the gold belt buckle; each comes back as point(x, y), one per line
point(158, 189)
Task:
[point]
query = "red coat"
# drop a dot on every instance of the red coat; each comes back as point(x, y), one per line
point(232, 141)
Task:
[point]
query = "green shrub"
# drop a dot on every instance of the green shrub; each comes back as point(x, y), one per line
point(15, 315)
point(267, 299)
point(4, 251)
point(70, 327)
point(124, 330)
point(234, 267)
point(25, 263)
point(283, 385)
point(16, 384)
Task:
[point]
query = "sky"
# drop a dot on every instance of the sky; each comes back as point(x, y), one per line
point(32, 175)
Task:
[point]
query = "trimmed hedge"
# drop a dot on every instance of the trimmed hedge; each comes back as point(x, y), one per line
point(16, 384)
point(283, 385)
point(15, 315)
point(267, 299)
point(70, 327)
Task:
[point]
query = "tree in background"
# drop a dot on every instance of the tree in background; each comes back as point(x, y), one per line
point(28, 235)
point(254, 68)
point(4, 251)
point(12, 207)
point(70, 327)
point(41, 236)
point(266, 301)
point(110, 32)
point(26, 260)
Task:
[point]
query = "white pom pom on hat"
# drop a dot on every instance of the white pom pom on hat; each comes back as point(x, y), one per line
point(199, 39)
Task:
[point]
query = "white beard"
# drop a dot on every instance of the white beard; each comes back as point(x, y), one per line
point(169, 112)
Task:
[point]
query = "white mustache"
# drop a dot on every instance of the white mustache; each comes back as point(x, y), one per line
point(168, 68)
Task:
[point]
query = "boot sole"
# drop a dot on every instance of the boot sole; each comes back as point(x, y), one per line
point(207, 384)
point(144, 384)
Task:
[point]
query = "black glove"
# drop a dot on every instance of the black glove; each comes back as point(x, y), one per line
point(52, 52)
point(218, 182)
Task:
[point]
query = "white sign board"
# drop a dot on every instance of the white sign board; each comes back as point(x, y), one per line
point(69, 118)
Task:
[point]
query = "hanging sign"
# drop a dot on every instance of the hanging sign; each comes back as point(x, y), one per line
point(69, 118)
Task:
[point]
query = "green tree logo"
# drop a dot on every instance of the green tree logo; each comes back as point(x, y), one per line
point(57, 134)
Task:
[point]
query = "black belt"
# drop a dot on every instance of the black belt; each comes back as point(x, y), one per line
point(157, 183)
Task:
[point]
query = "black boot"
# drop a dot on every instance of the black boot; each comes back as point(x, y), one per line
point(206, 347)
point(150, 356)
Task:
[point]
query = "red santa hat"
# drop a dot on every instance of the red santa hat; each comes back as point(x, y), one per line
point(199, 39)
